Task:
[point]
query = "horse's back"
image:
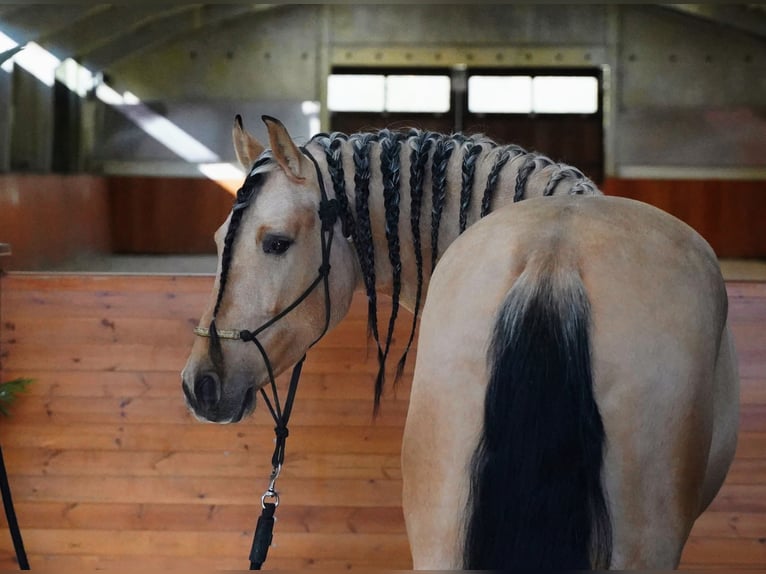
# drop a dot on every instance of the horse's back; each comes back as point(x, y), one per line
point(657, 327)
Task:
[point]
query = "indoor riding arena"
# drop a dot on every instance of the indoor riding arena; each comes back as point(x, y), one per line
point(117, 166)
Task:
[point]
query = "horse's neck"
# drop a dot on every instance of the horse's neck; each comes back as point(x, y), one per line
point(473, 176)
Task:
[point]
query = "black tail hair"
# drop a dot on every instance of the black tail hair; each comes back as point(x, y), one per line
point(536, 498)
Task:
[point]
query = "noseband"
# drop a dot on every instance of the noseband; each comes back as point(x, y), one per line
point(329, 212)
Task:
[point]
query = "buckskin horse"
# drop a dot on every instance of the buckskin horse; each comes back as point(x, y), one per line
point(575, 395)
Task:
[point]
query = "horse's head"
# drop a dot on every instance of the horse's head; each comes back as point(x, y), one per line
point(272, 280)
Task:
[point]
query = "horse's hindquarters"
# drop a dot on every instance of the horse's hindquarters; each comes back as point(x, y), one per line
point(658, 312)
point(725, 419)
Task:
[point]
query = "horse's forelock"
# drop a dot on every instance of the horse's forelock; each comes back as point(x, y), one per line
point(264, 164)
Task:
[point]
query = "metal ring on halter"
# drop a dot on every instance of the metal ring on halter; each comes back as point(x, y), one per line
point(270, 494)
point(270, 491)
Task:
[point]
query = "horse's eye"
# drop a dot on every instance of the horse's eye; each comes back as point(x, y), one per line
point(276, 245)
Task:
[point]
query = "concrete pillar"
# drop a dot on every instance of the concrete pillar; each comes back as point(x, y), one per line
point(5, 121)
point(31, 123)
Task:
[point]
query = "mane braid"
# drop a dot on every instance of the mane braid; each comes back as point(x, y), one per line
point(442, 153)
point(563, 172)
point(421, 145)
point(459, 138)
point(332, 146)
point(529, 165)
point(583, 186)
point(390, 166)
point(470, 155)
point(365, 249)
point(500, 160)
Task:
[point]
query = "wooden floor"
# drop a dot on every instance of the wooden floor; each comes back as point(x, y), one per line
point(109, 470)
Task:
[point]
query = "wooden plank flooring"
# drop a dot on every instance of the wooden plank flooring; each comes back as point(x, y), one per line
point(109, 470)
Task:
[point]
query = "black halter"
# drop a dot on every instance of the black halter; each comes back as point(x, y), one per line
point(329, 211)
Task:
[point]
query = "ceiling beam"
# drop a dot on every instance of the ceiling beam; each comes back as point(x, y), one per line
point(32, 23)
point(743, 17)
point(161, 29)
point(101, 35)
point(101, 27)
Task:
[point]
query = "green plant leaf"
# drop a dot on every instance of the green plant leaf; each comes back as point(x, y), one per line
point(9, 390)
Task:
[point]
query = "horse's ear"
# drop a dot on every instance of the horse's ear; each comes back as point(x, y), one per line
point(286, 153)
point(245, 145)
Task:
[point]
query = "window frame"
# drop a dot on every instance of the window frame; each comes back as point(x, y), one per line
point(395, 71)
point(533, 72)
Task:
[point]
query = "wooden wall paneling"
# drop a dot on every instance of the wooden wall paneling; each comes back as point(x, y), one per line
point(160, 215)
point(573, 139)
point(728, 214)
point(48, 219)
point(109, 470)
point(180, 215)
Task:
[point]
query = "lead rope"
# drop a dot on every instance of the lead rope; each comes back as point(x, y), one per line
point(329, 212)
point(263, 535)
point(10, 515)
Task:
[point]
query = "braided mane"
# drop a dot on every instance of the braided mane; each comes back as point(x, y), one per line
point(430, 154)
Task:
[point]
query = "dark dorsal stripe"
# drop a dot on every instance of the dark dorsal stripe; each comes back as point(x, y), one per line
point(470, 154)
point(442, 153)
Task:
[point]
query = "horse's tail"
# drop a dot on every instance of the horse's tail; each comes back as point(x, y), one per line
point(536, 497)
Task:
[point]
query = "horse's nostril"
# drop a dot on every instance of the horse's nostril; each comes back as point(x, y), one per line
point(206, 390)
point(249, 397)
point(247, 405)
point(187, 394)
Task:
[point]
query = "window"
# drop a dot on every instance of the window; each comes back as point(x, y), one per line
point(565, 95)
point(500, 94)
point(533, 94)
point(356, 93)
point(417, 94)
point(388, 93)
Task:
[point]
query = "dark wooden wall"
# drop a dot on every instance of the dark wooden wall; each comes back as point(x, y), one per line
point(180, 215)
point(731, 215)
point(109, 470)
point(166, 215)
point(49, 220)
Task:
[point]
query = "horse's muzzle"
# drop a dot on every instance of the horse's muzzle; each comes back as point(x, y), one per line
point(207, 403)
